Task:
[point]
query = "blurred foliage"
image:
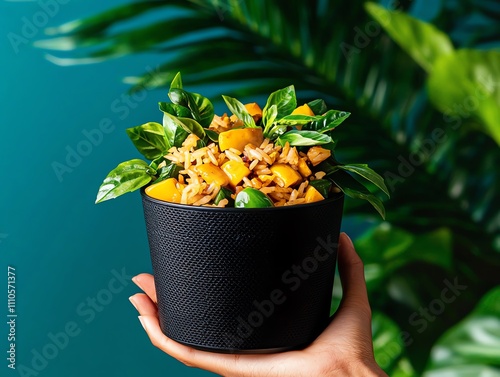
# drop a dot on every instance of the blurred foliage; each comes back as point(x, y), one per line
point(424, 97)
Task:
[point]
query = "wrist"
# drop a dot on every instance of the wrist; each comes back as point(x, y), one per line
point(360, 369)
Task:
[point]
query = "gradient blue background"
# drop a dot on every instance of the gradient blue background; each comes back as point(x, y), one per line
point(64, 247)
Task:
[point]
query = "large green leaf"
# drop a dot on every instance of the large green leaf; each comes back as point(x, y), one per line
point(471, 348)
point(126, 177)
point(475, 91)
point(238, 109)
point(423, 41)
point(202, 110)
point(150, 140)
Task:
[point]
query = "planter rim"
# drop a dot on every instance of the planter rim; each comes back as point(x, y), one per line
point(335, 197)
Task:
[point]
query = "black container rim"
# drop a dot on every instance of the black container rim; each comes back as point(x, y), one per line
point(334, 198)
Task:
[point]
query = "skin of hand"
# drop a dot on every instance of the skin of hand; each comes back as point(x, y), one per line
point(343, 349)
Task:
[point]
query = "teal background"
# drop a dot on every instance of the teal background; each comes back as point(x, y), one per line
point(64, 247)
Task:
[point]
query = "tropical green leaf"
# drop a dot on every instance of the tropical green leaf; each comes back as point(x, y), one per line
point(201, 108)
point(422, 41)
point(238, 109)
point(372, 199)
point(475, 91)
point(126, 177)
point(329, 121)
point(149, 139)
point(303, 138)
point(367, 173)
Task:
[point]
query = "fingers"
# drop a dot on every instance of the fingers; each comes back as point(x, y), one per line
point(143, 304)
point(147, 284)
point(352, 275)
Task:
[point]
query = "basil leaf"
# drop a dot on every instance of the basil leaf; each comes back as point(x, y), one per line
point(367, 173)
point(126, 177)
point(322, 185)
point(201, 108)
point(285, 101)
point(175, 110)
point(328, 121)
point(295, 120)
point(271, 114)
point(318, 106)
point(174, 130)
point(149, 139)
point(275, 131)
point(352, 188)
point(176, 82)
point(170, 170)
point(224, 193)
point(303, 138)
point(238, 109)
point(212, 135)
point(193, 127)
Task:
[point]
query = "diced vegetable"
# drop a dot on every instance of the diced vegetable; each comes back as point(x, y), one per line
point(165, 190)
point(322, 185)
point(211, 173)
point(303, 110)
point(252, 198)
point(285, 175)
point(304, 170)
point(238, 138)
point(254, 110)
point(313, 195)
point(236, 171)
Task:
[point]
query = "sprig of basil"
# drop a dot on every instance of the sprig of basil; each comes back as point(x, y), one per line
point(175, 110)
point(285, 101)
point(176, 82)
point(170, 170)
point(193, 127)
point(303, 138)
point(318, 106)
point(271, 131)
point(330, 120)
point(149, 139)
point(202, 110)
point(174, 130)
point(189, 126)
point(322, 185)
point(295, 120)
point(238, 109)
point(367, 173)
point(126, 177)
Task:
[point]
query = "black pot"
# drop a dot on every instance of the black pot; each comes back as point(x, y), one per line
point(238, 280)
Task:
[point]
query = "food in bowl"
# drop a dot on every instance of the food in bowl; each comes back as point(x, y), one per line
point(278, 155)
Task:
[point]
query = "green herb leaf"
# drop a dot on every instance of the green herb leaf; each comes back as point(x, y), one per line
point(367, 173)
point(328, 121)
point(224, 193)
point(303, 138)
point(212, 135)
point(318, 106)
point(270, 131)
point(150, 140)
point(126, 177)
point(175, 110)
point(170, 170)
point(238, 109)
point(322, 185)
point(252, 198)
point(176, 82)
point(295, 120)
point(193, 127)
point(285, 101)
point(201, 108)
point(174, 130)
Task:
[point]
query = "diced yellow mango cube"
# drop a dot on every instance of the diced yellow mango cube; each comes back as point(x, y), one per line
point(254, 110)
point(211, 173)
point(313, 195)
point(303, 110)
point(236, 171)
point(238, 138)
point(285, 175)
point(165, 190)
point(304, 170)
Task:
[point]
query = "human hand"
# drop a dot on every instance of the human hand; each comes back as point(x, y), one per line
point(343, 349)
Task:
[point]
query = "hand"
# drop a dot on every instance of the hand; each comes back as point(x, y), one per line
point(343, 349)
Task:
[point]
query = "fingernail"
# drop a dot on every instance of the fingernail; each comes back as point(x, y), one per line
point(136, 282)
point(143, 323)
point(348, 239)
point(132, 301)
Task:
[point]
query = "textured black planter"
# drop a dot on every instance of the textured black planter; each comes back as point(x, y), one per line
point(243, 280)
